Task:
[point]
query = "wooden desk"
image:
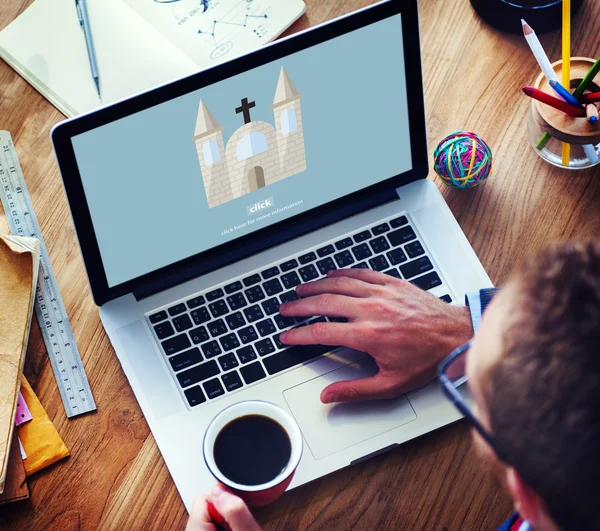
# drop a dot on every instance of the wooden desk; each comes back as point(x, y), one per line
point(116, 478)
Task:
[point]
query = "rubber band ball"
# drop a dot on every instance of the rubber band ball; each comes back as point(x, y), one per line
point(463, 160)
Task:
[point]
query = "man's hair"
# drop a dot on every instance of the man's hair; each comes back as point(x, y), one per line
point(544, 397)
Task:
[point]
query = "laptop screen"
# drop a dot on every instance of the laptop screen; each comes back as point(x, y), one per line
point(226, 160)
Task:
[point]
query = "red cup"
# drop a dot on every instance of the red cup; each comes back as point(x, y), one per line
point(267, 492)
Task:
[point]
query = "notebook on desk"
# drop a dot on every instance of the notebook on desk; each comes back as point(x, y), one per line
point(139, 43)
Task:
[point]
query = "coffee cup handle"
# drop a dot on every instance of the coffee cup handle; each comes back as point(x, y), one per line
point(217, 518)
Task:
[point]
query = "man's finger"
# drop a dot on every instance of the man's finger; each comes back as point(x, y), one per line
point(340, 285)
point(199, 518)
point(366, 275)
point(233, 509)
point(374, 387)
point(324, 304)
point(331, 334)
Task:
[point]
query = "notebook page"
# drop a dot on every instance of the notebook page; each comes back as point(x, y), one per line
point(46, 46)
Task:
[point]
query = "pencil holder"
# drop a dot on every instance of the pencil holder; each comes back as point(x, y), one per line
point(548, 128)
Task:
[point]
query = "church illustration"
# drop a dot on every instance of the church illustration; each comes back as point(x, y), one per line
point(257, 154)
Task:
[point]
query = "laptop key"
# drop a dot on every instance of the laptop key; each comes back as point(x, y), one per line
point(446, 298)
point(344, 244)
point(253, 313)
point(289, 297)
point(177, 309)
point(185, 359)
point(199, 335)
point(325, 265)
point(290, 280)
point(232, 381)
point(176, 344)
point(271, 306)
point(182, 323)
point(214, 294)
point(361, 251)
point(253, 372)
point(236, 301)
point(400, 236)
point(289, 265)
point(200, 315)
point(251, 280)
point(228, 361)
point(344, 259)
point(416, 267)
point(235, 320)
point(266, 327)
point(327, 250)
point(270, 273)
point(163, 330)
point(218, 308)
point(195, 302)
point(294, 356)
point(211, 349)
point(380, 229)
point(157, 317)
point(229, 342)
point(272, 287)
point(379, 245)
point(264, 347)
point(216, 328)
point(277, 340)
point(255, 294)
point(337, 319)
point(362, 236)
point(308, 273)
point(399, 222)
point(397, 256)
point(414, 249)
point(360, 265)
point(379, 263)
point(194, 396)
point(246, 354)
point(233, 287)
point(317, 320)
point(428, 281)
point(248, 334)
point(213, 388)
point(393, 273)
point(198, 374)
point(306, 258)
point(283, 322)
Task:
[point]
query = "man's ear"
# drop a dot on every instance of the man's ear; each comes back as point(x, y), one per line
point(527, 503)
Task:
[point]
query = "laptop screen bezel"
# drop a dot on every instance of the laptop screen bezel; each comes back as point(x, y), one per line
point(277, 233)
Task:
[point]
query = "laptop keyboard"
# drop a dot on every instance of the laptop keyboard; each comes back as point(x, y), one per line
point(226, 338)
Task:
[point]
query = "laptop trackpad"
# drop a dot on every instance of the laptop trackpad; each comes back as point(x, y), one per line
point(330, 428)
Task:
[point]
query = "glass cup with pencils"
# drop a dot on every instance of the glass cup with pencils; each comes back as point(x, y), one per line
point(567, 115)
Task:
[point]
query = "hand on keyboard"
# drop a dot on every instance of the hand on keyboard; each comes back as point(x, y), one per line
point(407, 331)
point(233, 510)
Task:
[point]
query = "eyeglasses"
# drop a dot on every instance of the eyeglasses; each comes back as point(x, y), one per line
point(453, 379)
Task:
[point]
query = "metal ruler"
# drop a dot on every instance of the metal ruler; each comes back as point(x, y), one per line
point(49, 307)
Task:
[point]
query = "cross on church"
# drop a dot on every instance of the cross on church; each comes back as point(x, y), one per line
point(245, 108)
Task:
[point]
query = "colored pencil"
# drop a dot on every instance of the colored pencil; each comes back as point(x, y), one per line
point(546, 98)
point(538, 51)
point(566, 66)
point(564, 93)
point(591, 112)
point(592, 97)
point(591, 154)
point(585, 82)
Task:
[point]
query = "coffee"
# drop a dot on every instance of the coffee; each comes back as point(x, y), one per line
point(252, 450)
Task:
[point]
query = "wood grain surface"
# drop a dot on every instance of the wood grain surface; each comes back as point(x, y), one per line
point(116, 479)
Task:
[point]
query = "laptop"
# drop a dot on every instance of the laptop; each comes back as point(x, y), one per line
point(200, 205)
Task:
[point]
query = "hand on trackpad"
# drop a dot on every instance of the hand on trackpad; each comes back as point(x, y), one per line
point(329, 428)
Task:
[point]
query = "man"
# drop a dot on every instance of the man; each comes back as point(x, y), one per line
point(533, 372)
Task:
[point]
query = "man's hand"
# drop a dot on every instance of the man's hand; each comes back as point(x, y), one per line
point(408, 331)
point(232, 509)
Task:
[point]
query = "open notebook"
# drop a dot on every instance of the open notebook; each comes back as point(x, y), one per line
point(139, 43)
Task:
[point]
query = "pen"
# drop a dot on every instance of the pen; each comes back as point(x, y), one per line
point(564, 93)
point(84, 21)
